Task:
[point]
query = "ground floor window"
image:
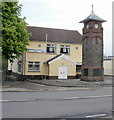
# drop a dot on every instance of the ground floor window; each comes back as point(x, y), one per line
point(33, 66)
point(78, 68)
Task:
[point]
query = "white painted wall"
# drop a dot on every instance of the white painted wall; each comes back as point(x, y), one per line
point(112, 66)
point(14, 67)
point(107, 67)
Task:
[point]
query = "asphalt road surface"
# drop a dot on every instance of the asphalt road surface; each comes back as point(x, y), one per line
point(88, 103)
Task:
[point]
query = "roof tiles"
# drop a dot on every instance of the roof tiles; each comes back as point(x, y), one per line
point(54, 35)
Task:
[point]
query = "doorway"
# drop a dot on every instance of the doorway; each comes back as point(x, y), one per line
point(62, 72)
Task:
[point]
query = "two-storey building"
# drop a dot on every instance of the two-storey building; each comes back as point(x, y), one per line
point(51, 54)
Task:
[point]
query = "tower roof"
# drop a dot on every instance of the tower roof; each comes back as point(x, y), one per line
point(93, 17)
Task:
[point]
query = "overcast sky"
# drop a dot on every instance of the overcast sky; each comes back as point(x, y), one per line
point(66, 14)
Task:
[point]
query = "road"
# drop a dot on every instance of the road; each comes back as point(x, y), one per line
point(80, 103)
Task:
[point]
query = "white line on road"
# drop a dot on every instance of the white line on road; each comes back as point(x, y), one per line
point(4, 101)
point(18, 100)
point(68, 98)
point(98, 115)
point(87, 97)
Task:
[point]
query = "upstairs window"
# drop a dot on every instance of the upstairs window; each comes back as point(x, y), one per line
point(65, 49)
point(33, 66)
point(51, 48)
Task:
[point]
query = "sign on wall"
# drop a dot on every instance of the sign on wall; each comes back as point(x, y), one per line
point(36, 50)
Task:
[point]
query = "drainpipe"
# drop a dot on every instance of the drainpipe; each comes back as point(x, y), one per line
point(48, 70)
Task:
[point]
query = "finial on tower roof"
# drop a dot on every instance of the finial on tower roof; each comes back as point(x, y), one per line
point(92, 12)
point(92, 17)
point(92, 7)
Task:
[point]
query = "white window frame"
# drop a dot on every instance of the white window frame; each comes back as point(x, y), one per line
point(33, 64)
point(51, 48)
point(66, 49)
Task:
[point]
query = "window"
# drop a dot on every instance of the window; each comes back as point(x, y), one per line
point(96, 72)
point(78, 68)
point(96, 40)
point(86, 40)
point(39, 45)
point(85, 72)
point(19, 66)
point(76, 48)
point(51, 48)
point(65, 49)
point(34, 66)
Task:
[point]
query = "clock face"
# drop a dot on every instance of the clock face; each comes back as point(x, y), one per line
point(87, 26)
point(96, 25)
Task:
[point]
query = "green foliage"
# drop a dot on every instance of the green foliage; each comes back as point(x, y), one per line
point(15, 37)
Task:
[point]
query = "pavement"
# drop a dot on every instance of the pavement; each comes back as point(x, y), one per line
point(45, 85)
point(74, 82)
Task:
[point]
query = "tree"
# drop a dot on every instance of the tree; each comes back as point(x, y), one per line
point(15, 37)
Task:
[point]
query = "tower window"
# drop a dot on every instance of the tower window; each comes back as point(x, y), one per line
point(86, 41)
point(96, 72)
point(85, 72)
point(96, 40)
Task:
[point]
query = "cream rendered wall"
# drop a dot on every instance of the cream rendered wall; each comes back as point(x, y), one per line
point(53, 67)
point(36, 57)
point(34, 45)
point(75, 54)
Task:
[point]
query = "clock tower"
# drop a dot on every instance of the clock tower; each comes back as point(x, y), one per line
point(92, 53)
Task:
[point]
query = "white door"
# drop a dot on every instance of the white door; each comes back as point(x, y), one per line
point(62, 72)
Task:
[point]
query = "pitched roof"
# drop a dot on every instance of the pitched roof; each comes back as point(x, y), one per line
point(59, 57)
point(54, 35)
point(47, 62)
point(93, 16)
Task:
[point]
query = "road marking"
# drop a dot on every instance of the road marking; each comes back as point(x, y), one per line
point(62, 119)
point(98, 115)
point(4, 101)
point(47, 89)
point(69, 98)
point(18, 100)
point(87, 97)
